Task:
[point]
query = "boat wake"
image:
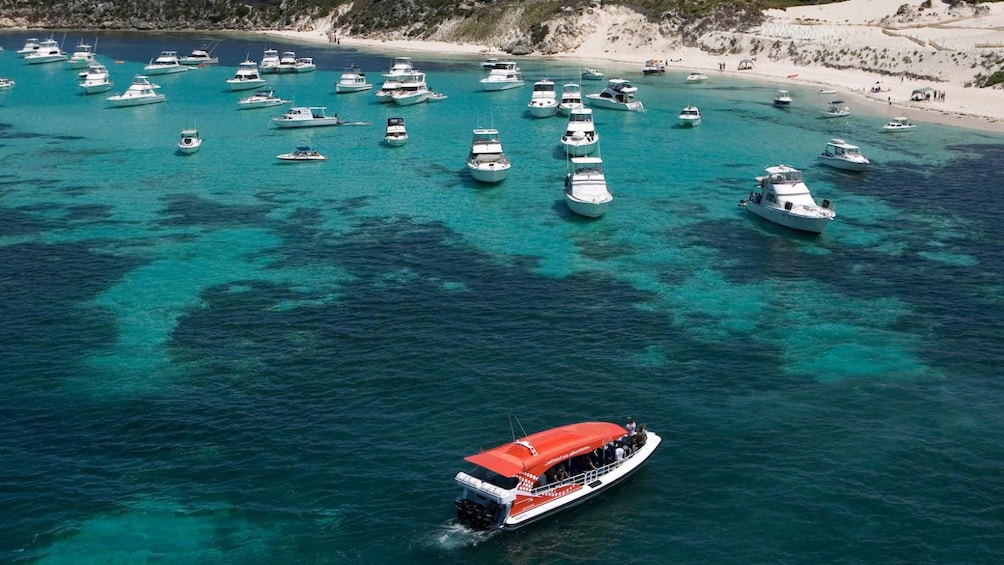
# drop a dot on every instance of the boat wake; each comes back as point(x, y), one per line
point(452, 535)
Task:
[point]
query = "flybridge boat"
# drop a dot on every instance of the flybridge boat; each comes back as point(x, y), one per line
point(305, 65)
point(96, 79)
point(264, 98)
point(586, 191)
point(30, 46)
point(571, 98)
point(411, 90)
point(487, 162)
point(165, 63)
point(843, 155)
point(203, 55)
point(785, 199)
point(395, 135)
point(580, 136)
point(82, 57)
point(618, 95)
point(653, 67)
point(48, 52)
point(401, 70)
point(139, 92)
point(541, 474)
point(287, 62)
point(543, 102)
point(246, 77)
point(690, 117)
point(270, 61)
point(352, 80)
point(503, 76)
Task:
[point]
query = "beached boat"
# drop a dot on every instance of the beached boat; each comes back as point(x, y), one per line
point(836, 109)
point(204, 55)
point(305, 116)
point(264, 98)
point(96, 79)
point(590, 73)
point(503, 76)
point(618, 95)
point(165, 63)
point(301, 154)
point(580, 137)
point(571, 98)
point(48, 52)
point(352, 80)
point(543, 102)
point(898, 124)
point(140, 92)
point(246, 77)
point(395, 135)
point(696, 77)
point(536, 476)
point(486, 161)
point(82, 56)
point(269, 62)
point(784, 199)
point(30, 46)
point(586, 192)
point(782, 99)
point(653, 67)
point(842, 155)
point(190, 141)
point(690, 117)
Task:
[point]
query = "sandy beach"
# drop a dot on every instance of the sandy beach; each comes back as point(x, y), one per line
point(942, 44)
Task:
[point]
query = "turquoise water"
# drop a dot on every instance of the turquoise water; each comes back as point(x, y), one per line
point(219, 358)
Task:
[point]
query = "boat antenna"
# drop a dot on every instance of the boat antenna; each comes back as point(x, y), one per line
point(518, 423)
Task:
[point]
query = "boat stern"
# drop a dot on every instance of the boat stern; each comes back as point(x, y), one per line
point(482, 506)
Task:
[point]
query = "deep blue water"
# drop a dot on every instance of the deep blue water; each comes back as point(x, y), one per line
point(221, 359)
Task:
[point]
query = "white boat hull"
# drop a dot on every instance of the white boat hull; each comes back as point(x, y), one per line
point(489, 172)
point(316, 122)
point(582, 148)
point(79, 63)
point(135, 101)
point(600, 102)
point(96, 88)
point(247, 84)
point(543, 109)
point(348, 88)
point(589, 209)
point(261, 104)
point(843, 164)
point(495, 86)
point(44, 59)
point(164, 70)
point(396, 141)
point(788, 219)
point(410, 99)
point(189, 149)
point(689, 123)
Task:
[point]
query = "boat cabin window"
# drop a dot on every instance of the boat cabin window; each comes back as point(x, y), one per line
point(493, 478)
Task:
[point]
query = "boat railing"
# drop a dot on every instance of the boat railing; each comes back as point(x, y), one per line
point(583, 478)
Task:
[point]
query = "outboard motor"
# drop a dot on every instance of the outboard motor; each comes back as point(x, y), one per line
point(476, 516)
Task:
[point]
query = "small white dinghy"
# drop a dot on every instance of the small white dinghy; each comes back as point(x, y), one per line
point(301, 154)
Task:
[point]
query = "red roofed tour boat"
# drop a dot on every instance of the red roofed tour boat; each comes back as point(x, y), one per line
point(525, 480)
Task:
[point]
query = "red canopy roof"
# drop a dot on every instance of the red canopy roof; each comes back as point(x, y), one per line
point(538, 452)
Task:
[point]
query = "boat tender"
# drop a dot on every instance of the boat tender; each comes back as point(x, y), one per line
point(536, 476)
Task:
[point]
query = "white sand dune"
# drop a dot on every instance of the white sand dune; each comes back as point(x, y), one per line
point(945, 46)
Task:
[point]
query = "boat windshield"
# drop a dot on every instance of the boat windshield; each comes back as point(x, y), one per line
point(493, 478)
point(786, 177)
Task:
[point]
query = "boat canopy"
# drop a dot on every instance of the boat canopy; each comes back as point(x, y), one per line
point(538, 452)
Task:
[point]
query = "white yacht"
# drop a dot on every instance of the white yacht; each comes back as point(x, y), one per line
point(394, 84)
point(487, 162)
point(785, 199)
point(304, 117)
point(190, 141)
point(270, 61)
point(6, 83)
point(696, 77)
point(843, 155)
point(898, 124)
point(246, 77)
point(48, 52)
point(166, 63)
point(30, 46)
point(82, 57)
point(581, 137)
point(543, 101)
point(782, 99)
point(400, 68)
point(305, 65)
point(411, 90)
point(96, 79)
point(489, 62)
point(690, 117)
point(352, 80)
point(590, 73)
point(287, 62)
point(203, 55)
point(836, 109)
point(571, 98)
point(503, 76)
point(586, 190)
point(264, 98)
point(618, 95)
point(395, 135)
point(141, 91)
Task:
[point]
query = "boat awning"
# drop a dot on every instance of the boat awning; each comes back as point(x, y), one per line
point(923, 90)
point(538, 452)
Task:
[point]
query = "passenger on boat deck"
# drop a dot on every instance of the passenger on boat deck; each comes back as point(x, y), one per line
point(641, 437)
point(619, 453)
point(630, 427)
